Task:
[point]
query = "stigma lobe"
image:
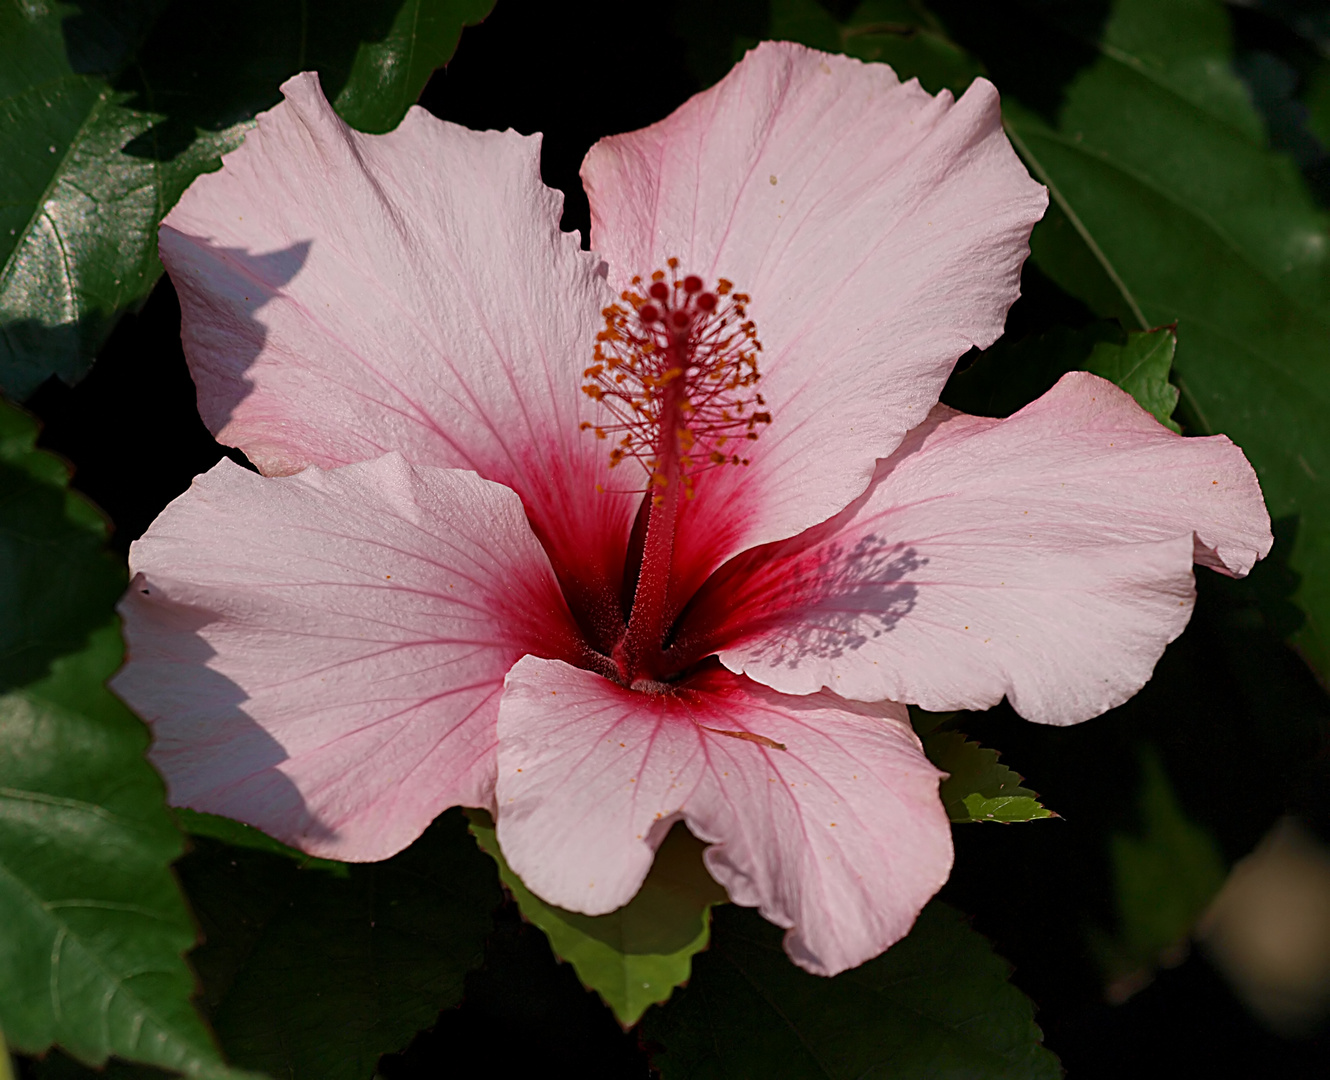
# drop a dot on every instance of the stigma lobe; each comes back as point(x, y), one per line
point(676, 369)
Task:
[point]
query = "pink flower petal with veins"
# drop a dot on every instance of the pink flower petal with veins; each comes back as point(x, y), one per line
point(321, 656)
point(443, 608)
point(1046, 557)
point(822, 813)
point(880, 231)
point(344, 295)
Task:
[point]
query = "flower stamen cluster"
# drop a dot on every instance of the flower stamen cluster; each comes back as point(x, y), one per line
point(674, 354)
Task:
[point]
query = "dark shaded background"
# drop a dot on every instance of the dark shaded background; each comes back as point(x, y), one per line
point(1235, 717)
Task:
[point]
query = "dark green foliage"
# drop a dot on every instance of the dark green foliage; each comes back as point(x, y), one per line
point(1011, 374)
point(936, 1005)
point(92, 923)
point(1169, 207)
point(1188, 216)
point(1164, 876)
point(109, 110)
point(310, 975)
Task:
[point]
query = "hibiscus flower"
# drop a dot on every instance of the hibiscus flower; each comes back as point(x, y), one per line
point(662, 531)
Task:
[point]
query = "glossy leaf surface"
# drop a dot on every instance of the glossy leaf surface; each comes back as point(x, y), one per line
point(387, 75)
point(109, 111)
point(1141, 368)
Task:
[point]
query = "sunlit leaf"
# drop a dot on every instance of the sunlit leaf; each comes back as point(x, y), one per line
point(636, 956)
point(1011, 374)
point(1141, 367)
point(387, 76)
point(76, 215)
point(979, 788)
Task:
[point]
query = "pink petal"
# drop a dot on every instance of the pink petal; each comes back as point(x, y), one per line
point(838, 834)
point(1046, 557)
point(322, 655)
point(344, 295)
point(879, 231)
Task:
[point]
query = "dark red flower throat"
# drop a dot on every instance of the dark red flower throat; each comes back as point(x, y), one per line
point(676, 369)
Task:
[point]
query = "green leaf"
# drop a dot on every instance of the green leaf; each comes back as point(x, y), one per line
point(936, 1004)
point(1170, 208)
point(387, 76)
point(1163, 879)
point(895, 32)
point(92, 924)
point(108, 113)
point(1317, 100)
point(313, 977)
point(76, 215)
point(1010, 375)
point(1141, 368)
point(924, 721)
point(308, 976)
point(979, 788)
point(904, 35)
point(238, 834)
point(56, 1066)
point(636, 956)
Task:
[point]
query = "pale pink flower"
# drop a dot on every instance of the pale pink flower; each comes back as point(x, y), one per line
point(422, 603)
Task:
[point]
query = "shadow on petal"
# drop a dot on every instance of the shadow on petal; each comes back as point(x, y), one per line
point(849, 595)
point(222, 290)
point(213, 756)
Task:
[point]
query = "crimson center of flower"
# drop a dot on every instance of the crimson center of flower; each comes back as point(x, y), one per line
point(676, 369)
